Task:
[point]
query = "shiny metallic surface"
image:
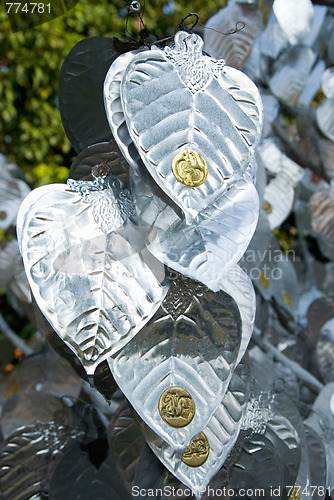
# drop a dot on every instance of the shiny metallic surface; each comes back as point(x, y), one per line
point(176, 407)
point(234, 49)
point(239, 286)
point(93, 281)
point(81, 91)
point(30, 454)
point(291, 72)
point(190, 168)
point(114, 109)
point(321, 421)
point(221, 434)
point(12, 192)
point(197, 452)
point(209, 248)
point(179, 98)
point(295, 19)
point(192, 342)
point(325, 118)
point(103, 153)
point(322, 221)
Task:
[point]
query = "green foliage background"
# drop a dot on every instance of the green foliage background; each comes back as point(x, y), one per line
point(31, 133)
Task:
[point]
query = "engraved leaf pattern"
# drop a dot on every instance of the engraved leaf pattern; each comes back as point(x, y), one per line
point(322, 210)
point(192, 342)
point(94, 288)
point(221, 119)
point(30, 455)
point(219, 235)
point(234, 49)
point(114, 108)
point(257, 454)
point(221, 432)
point(76, 477)
point(126, 441)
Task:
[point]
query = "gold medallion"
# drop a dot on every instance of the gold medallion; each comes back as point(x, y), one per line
point(176, 407)
point(267, 207)
point(197, 452)
point(3, 215)
point(190, 168)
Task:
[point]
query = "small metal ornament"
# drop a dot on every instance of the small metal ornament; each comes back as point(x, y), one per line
point(207, 452)
point(176, 370)
point(179, 100)
point(86, 265)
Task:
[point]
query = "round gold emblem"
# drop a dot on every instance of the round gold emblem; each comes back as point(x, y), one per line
point(176, 407)
point(3, 215)
point(190, 168)
point(197, 452)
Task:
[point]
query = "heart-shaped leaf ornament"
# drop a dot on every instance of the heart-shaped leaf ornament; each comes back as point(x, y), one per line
point(87, 266)
point(208, 451)
point(194, 121)
point(176, 370)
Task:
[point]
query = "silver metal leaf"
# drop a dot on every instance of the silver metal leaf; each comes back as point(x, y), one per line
point(213, 244)
point(179, 100)
point(321, 421)
point(327, 82)
point(221, 432)
point(81, 91)
point(294, 19)
point(325, 120)
point(84, 262)
point(291, 72)
point(325, 351)
point(103, 154)
point(28, 457)
point(273, 40)
point(239, 286)
point(191, 342)
point(125, 440)
point(319, 312)
point(322, 221)
point(234, 49)
point(257, 454)
point(12, 192)
point(317, 460)
point(114, 109)
point(25, 408)
point(76, 477)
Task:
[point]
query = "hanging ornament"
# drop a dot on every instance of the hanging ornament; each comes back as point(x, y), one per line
point(85, 262)
point(208, 451)
point(176, 370)
point(294, 19)
point(80, 91)
point(224, 40)
point(193, 120)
